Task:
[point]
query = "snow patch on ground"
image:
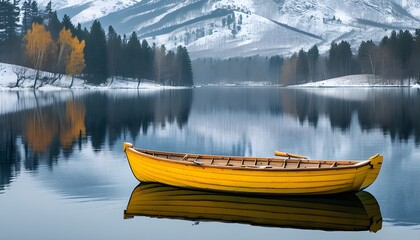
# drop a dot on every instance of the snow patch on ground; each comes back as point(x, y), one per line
point(343, 16)
point(361, 80)
point(8, 80)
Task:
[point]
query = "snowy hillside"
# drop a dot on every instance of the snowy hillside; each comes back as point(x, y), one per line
point(257, 36)
point(228, 28)
point(87, 10)
point(412, 6)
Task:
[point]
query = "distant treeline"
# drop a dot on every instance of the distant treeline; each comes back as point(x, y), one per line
point(395, 59)
point(237, 70)
point(104, 55)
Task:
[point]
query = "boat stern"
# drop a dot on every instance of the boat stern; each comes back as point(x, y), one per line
point(375, 163)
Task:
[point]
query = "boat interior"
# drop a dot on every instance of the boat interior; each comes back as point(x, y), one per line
point(250, 162)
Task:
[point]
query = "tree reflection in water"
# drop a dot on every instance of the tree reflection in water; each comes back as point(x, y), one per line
point(46, 131)
point(60, 125)
point(394, 111)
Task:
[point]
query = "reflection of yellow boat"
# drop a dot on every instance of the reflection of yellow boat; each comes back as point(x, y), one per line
point(344, 212)
point(289, 175)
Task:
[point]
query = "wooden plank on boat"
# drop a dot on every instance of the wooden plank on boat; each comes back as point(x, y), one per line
point(185, 157)
point(227, 162)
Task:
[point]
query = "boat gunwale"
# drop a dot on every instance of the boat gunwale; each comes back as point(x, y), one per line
point(356, 165)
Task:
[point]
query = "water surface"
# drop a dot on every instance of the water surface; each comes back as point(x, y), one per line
point(63, 174)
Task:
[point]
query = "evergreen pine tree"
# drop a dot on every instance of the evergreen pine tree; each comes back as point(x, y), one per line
point(345, 56)
point(333, 60)
point(366, 57)
point(405, 47)
point(132, 56)
point(146, 60)
point(35, 14)
point(123, 67)
point(54, 26)
point(10, 43)
point(415, 66)
point(189, 80)
point(96, 55)
point(85, 34)
point(9, 18)
point(48, 12)
point(339, 61)
point(114, 48)
point(313, 56)
point(393, 44)
point(34, 8)
point(4, 6)
point(26, 16)
point(171, 63)
point(302, 70)
point(185, 77)
point(66, 22)
point(79, 33)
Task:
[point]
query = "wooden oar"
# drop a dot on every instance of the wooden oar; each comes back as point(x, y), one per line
point(289, 155)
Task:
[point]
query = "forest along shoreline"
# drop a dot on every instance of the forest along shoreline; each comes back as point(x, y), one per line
point(33, 37)
point(10, 75)
point(11, 78)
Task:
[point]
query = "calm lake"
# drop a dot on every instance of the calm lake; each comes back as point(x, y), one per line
point(63, 174)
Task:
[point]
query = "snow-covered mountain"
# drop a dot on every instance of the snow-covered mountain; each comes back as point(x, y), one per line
point(227, 28)
point(86, 10)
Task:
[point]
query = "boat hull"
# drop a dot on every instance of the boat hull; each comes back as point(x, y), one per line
point(147, 168)
point(344, 212)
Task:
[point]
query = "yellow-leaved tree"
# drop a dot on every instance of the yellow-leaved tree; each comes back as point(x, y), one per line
point(39, 47)
point(65, 41)
point(76, 64)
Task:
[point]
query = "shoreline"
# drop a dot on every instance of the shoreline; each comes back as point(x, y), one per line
point(8, 78)
point(358, 81)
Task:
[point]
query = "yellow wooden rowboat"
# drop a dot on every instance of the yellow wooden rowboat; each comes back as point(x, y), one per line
point(344, 212)
point(280, 175)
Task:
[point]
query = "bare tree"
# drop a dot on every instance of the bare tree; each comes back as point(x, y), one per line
point(20, 73)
